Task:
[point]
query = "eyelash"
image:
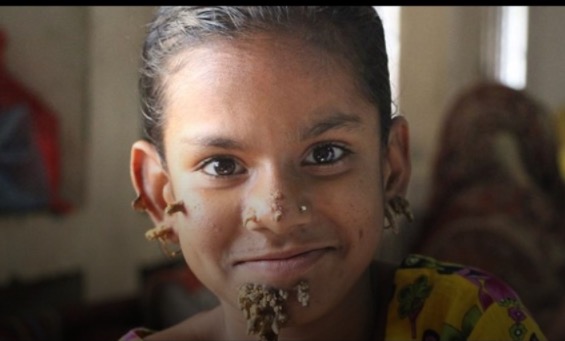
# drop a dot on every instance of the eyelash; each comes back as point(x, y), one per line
point(342, 149)
point(211, 160)
point(241, 170)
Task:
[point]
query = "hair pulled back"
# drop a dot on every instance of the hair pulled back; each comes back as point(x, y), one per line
point(354, 34)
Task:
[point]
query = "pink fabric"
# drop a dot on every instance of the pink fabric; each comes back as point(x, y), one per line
point(136, 334)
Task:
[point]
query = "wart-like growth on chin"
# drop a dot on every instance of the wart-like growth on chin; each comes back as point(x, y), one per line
point(303, 293)
point(265, 308)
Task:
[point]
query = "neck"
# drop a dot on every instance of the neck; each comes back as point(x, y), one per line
point(352, 319)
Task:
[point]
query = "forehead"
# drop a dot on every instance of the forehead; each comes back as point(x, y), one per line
point(275, 54)
point(280, 69)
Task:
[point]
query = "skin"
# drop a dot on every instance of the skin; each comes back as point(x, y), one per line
point(281, 119)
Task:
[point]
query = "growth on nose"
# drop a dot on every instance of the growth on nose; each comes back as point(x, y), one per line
point(275, 211)
point(276, 205)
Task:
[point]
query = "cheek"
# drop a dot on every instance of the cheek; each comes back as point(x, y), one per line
point(208, 227)
point(362, 213)
point(364, 219)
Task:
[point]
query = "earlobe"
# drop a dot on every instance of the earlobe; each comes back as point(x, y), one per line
point(397, 168)
point(149, 178)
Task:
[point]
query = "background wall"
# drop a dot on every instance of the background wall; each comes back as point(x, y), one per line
point(83, 61)
point(546, 55)
point(91, 83)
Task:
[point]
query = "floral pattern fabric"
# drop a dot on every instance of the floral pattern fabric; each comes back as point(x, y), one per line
point(443, 301)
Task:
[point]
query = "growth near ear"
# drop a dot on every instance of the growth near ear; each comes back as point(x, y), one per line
point(164, 234)
point(397, 167)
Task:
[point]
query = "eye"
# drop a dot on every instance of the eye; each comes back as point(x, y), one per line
point(325, 154)
point(222, 166)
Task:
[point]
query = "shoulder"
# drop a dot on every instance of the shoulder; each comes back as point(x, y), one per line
point(433, 298)
point(200, 326)
point(452, 277)
point(136, 334)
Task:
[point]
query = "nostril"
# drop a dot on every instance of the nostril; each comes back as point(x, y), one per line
point(277, 215)
point(250, 217)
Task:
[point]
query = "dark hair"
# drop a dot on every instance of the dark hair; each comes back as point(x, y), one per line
point(353, 33)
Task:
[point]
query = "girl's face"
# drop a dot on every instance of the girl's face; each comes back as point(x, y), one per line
point(254, 130)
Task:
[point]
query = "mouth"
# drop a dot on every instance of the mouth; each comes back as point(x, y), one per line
point(283, 266)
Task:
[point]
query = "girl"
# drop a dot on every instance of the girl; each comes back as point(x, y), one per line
point(273, 160)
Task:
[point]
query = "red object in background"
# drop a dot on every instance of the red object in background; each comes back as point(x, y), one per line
point(43, 142)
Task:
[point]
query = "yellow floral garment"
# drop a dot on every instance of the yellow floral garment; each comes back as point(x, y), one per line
point(442, 301)
point(437, 301)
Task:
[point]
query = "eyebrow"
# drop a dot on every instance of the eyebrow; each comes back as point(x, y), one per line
point(337, 120)
point(213, 141)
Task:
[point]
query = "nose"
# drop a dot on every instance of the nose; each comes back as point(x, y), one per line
point(276, 202)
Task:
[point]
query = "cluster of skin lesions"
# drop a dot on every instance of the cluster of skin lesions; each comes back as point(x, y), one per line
point(264, 307)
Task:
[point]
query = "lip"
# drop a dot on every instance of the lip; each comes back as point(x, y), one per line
point(283, 265)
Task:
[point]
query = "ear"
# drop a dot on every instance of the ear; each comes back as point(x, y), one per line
point(150, 179)
point(397, 168)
